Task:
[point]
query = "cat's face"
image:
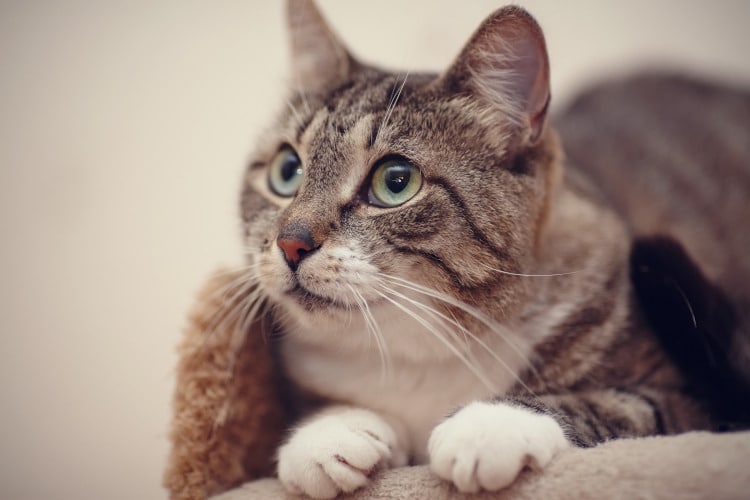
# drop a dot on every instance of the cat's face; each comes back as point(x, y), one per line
point(376, 190)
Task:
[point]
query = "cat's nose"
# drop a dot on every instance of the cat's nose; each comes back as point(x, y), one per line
point(295, 241)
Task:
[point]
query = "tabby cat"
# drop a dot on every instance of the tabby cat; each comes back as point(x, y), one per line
point(442, 283)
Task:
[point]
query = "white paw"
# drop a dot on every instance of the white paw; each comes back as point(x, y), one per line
point(486, 445)
point(336, 452)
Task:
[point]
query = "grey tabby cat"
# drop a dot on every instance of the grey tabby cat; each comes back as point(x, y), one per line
point(440, 285)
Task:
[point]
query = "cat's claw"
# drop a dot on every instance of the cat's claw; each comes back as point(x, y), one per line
point(485, 446)
point(337, 452)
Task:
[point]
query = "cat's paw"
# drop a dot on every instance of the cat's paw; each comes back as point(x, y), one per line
point(337, 452)
point(484, 446)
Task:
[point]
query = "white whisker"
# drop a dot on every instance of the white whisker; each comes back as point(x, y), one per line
point(442, 321)
point(237, 299)
point(245, 274)
point(491, 324)
point(231, 316)
point(374, 329)
point(467, 334)
point(395, 96)
point(523, 275)
point(295, 114)
point(476, 371)
point(303, 97)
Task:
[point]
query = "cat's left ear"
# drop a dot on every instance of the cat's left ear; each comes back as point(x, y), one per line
point(505, 64)
point(319, 59)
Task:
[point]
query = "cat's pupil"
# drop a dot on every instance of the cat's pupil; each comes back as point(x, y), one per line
point(290, 168)
point(397, 178)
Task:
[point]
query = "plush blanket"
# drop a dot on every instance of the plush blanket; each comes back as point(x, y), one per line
point(690, 466)
point(229, 418)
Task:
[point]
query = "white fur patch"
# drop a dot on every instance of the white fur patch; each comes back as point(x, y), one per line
point(485, 446)
point(336, 451)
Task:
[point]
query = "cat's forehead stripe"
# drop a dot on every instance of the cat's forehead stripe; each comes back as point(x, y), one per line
point(313, 126)
point(351, 102)
point(357, 137)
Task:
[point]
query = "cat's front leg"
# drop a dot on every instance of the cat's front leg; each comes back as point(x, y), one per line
point(484, 446)
point(336, 450)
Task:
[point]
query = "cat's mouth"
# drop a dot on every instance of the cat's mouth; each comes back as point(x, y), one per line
point(312, 301)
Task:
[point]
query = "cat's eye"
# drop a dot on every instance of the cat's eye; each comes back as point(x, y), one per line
point(285, 174)
point(394, 182)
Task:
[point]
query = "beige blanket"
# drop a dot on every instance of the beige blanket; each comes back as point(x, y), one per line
point(691, 466)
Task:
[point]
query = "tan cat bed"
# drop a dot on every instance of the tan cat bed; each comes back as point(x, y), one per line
point(694, 465)
point(228, 420)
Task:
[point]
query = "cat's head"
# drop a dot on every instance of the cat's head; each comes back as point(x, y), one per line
point(377, 189)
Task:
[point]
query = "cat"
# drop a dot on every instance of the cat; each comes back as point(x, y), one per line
point(445, 287)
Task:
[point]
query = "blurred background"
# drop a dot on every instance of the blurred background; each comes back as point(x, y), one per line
point(124, 129)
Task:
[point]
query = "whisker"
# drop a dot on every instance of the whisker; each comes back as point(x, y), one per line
point(441, 319)
point(491, 324)
point(374, 329)
point(362, 312)
point(395, 96)
point(231, 316)
point(250, 311)
point(281, 317)
point(523, 275)
point(453, 321)
point(429, 327)
point(303, 97)
point(244, 273)
point(243, 291)
point(687, 303)
point(465, 331)
point(295, 114)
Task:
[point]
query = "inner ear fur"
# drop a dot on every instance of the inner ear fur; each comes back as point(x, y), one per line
point(505, 64)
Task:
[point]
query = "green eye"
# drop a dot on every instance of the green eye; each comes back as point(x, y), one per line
point(285, 175)
point(394, 182)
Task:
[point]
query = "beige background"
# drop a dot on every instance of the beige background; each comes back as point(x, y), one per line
point(124, 127)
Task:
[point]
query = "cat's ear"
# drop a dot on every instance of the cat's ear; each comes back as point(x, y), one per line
point(505, 64)
point(319, 59)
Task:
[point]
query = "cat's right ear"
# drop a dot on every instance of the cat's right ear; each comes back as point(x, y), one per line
point(319, 59)
point(505, 64)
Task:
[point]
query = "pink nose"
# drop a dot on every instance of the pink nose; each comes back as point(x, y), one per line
point(296, 241)
point(294, 249)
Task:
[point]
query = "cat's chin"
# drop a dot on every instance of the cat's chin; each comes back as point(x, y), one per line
point(316, 303)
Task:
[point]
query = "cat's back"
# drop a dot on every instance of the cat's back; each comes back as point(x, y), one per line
point(672, 155)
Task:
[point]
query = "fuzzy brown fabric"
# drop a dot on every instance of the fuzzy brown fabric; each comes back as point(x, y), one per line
point(229, 420)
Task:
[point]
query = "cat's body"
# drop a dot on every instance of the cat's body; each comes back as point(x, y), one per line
point(425, 254)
